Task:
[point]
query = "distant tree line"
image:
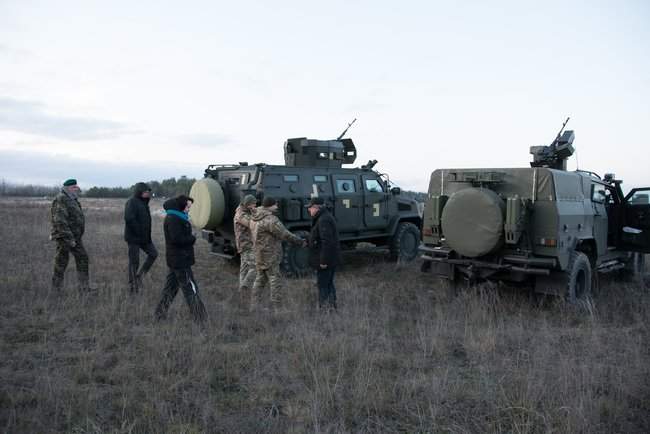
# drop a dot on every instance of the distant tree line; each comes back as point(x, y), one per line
point(166, 188)
point(30, 190)
point(415, 195)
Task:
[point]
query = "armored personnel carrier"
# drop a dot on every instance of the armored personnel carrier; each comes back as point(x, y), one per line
point(367, 208)
point(540, 225)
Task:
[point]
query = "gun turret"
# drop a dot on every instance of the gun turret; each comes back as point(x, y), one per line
point(303, 152)
point(556, 154)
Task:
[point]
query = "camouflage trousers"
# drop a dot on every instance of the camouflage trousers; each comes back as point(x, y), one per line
point(61, 259)
point(246, 272)
point(274, 279)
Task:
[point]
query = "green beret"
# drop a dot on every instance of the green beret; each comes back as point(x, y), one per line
point(69, 182)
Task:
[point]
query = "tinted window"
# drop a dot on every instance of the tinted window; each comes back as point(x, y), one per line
point(290, 178)
point(320, 178)
point(374, 186)
point(640, 198)
point(345, 186)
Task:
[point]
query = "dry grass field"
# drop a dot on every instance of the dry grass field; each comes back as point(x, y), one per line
point(404, 353)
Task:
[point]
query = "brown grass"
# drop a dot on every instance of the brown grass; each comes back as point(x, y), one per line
point(404, 353)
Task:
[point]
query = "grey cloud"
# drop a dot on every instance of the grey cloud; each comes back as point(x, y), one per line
point(31, 117)
point(45, 169)
point(205, 140)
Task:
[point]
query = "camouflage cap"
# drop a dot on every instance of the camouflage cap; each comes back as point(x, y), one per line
point(249, 199)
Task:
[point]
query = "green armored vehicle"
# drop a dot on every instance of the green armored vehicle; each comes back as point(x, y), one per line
point(542, 225)
point(366, 207)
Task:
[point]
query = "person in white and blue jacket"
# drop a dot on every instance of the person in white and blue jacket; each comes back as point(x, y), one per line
point(179, 252)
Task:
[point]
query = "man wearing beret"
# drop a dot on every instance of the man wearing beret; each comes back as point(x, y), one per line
point(244, 242)
point(268, 235)
point(67, 219)
point(137, 234)
point(324, 251)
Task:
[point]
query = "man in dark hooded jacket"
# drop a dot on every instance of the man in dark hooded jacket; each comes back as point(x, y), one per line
point(324, 251)
point(137, 234)
point(179, 252)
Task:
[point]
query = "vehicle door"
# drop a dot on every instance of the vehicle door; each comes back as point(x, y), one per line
point(598, 200)
point(347, 202)
point(635, 231)
point(375, 211)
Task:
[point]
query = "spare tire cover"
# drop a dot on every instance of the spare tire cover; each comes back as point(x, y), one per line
point(209, 204)
point(472, 221)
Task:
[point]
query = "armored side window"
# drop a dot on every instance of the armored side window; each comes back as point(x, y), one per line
point(374, 186)
point(345, 186)
point(290, 178)
point(320, 178)
point(598, 193)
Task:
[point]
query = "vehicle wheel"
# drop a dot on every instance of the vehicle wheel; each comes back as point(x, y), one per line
point(404, 244)
point(295, 259)
point(578, 278)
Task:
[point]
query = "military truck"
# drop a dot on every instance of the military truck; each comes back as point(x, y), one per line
point(366, 205)
point(541, 226)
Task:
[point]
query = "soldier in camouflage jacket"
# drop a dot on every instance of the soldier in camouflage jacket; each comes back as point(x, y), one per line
point(67, 220)
point(244, 242)
point(268, 234)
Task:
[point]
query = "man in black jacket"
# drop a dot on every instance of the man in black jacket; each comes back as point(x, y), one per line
point(137, 234)
point(179, 252)
point(324, 251)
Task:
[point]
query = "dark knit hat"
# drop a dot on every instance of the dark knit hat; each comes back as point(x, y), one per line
point(268, 201)
point(318, 201)
point(142, 186)
point(249, 199)
point(182, 201)
point(69, 182)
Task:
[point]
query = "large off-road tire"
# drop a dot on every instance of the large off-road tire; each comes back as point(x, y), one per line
point(404, 244)
point(295, 259)
point(578, 278)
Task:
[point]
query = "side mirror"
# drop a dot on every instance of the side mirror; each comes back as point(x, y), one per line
point(396, 190)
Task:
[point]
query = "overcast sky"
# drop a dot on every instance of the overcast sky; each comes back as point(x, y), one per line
point(113, 92)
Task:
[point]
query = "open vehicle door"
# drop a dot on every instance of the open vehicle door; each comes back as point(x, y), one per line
point(635, 230)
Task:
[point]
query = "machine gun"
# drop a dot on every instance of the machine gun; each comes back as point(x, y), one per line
point(555, 155)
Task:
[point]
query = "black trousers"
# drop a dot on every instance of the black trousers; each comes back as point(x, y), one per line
point(326, 288)
point(183, 278)
point(135, 272)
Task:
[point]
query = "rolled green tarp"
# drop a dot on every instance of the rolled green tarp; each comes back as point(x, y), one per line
point(472, 222)
point(209, 204)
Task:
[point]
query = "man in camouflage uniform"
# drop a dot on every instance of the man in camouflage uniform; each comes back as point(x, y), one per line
point(268, 234)
point(244, 242)
point(67, 219)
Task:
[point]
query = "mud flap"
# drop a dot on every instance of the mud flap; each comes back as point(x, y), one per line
point(552, 284)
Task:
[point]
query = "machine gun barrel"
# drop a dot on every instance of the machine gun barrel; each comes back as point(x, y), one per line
point(557, 138)
point(346, 130)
